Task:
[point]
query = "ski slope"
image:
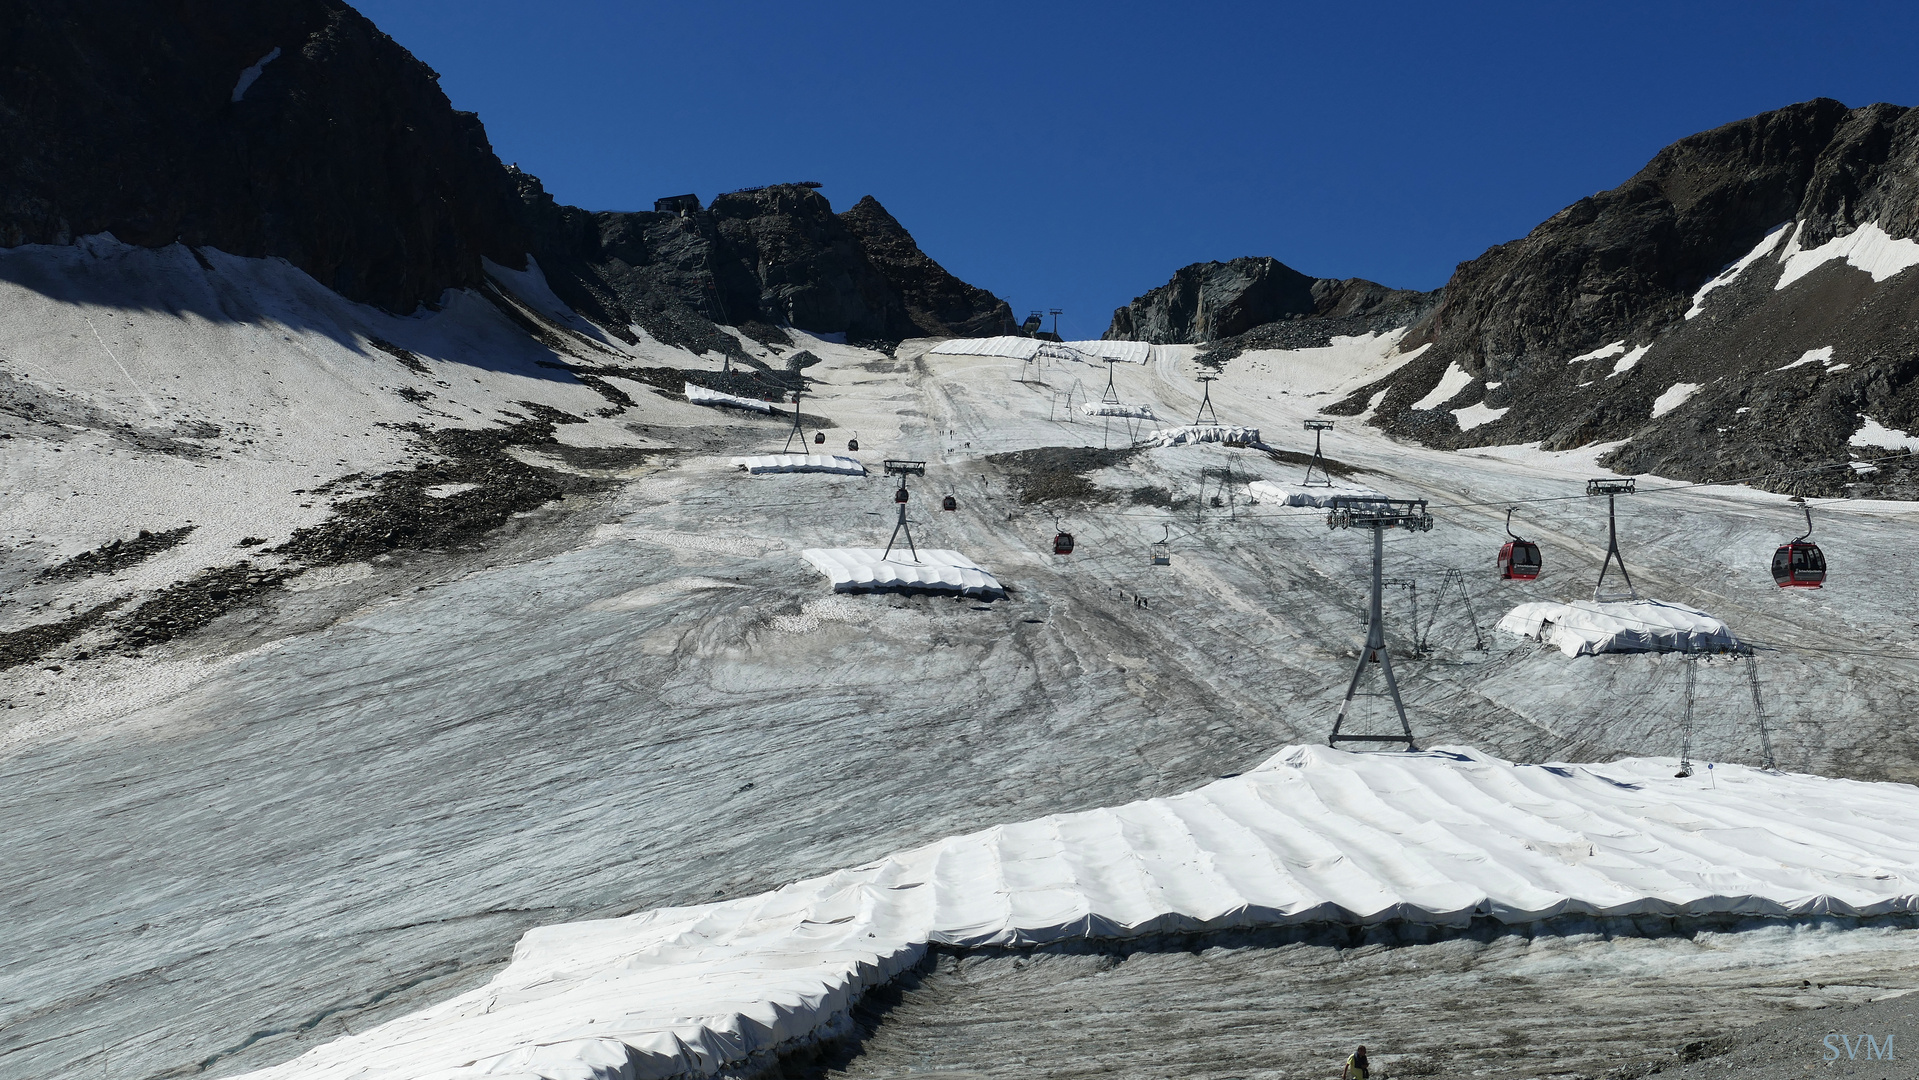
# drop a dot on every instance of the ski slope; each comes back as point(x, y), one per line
point(348, 802)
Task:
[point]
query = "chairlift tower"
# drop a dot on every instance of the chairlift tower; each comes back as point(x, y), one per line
point(796, 433)
point(1612, 488)
point(902, 469)
point(1317, 427)
point(1111, 396)
point(1350, 512)
point(1056, 313)
point(1223, 474)
point(1453, 580)
point(1206, 403)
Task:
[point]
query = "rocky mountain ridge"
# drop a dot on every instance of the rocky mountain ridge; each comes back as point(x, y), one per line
point(1214, 301)
point(1739, 308)
point(301, 131)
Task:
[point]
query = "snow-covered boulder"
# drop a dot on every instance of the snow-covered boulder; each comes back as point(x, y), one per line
point(1227, 434)
point(1583, 627)
point(1301, 495)
point(784, 463)
point(700, 395)
point(935, 570)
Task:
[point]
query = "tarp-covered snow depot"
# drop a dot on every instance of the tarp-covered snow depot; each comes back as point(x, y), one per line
point(783, 463)
point(1022, 348)
point(1583, 627)
point(1313, 835)
point(1110, 408)
point(935, 570)
point(1229, 434)
point(700, 395)
point(1301, 495)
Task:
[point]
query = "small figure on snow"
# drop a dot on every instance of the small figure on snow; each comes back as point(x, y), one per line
point(1356, 1067)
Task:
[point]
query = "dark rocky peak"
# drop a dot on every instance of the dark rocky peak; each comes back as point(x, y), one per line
point(1215, 302)
point(1625, 261)
point(1593, 326)
point(756, 259)
point(159, 122)
point(938, 303)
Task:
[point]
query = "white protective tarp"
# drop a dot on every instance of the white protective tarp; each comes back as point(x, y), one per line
point(700, 395)
point(1229, 434)
point(935, 569)
point(1022, 348)
point(1313, 835)
point(782, 463)
point(1111, 408)
point(1583, 627)
point(1291, 494)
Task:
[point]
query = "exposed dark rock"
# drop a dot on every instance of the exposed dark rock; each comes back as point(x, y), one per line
point(34, 642)
point(343, 156)
point(1058, 473)
point(186, 606)
point(117, 555)
point(1624, 266)
point(759, 259)
point(1215, 301)
point(938, 303)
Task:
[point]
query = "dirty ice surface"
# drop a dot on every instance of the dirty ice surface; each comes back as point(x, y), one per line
point(1312, 836)
point(348, 800)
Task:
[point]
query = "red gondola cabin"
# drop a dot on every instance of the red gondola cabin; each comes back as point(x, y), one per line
point(1799, 565)
point(1519, 560)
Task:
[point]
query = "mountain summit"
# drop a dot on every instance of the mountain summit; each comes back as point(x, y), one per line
point(301, 131)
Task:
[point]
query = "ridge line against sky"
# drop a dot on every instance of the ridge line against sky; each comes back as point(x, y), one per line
point(1074, 155)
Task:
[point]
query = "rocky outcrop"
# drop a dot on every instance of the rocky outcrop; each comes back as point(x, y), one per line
point(1614, 278)
point(1213, 301)
point(937, 303)
point(165, 122)
point(297, 129)
point(768, 257)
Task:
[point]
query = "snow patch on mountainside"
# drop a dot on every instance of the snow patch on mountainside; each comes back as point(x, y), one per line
point(1675, 396)
point(1452, 382)
point(1760, 250)
point(1873, 433)
point(1867, 248)
point(1473, 416)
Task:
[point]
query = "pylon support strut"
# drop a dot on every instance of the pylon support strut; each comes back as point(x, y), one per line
point(1378, 515)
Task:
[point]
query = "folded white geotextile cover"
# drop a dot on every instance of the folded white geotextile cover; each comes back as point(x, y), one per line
point(1021, 348)
point(774, 463)
point(1113, 408)
point(1230, 434)
point(700, 395)
point(864, 570)
point(1312, 835)
point(1300, 495)
point(1586, 627)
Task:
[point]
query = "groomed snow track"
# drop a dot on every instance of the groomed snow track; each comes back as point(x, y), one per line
point(1311, 836)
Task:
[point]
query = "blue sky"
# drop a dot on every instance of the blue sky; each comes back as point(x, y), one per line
point(1073, 155)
